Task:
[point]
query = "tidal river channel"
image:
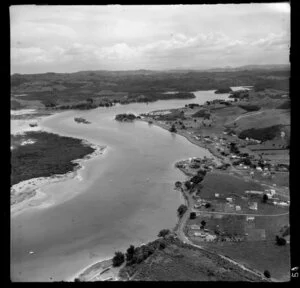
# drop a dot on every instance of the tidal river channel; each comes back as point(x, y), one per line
point(124, 196)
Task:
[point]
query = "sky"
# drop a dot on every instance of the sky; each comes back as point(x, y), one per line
point(116, 37)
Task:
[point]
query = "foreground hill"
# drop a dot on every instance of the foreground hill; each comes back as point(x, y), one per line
point(183, 262)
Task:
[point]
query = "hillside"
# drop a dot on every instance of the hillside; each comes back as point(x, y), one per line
point(182, 262)
point(54, 89)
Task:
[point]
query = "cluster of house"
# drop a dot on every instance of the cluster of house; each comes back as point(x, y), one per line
point(271, 193)
point(200, 203)
point(202, 234)
point(196, 163)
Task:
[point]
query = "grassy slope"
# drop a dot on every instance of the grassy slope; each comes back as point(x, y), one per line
point(180, 262)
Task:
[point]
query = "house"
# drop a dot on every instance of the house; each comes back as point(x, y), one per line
point(229, 200)
point(253, 206)
point(210, 237)
point(254, 192)
point(259, 168)
point(250, 218)
point(195, 227)
point(238, 208)
point(199, 234)
point(284, 204)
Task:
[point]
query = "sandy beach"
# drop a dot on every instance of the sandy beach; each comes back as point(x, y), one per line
point(29, 193)
point(99, 271)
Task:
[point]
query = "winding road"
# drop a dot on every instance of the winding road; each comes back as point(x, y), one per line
point(179, 231)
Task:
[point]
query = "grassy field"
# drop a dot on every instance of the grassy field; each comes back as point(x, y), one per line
point(259, 255)
point(224, 184)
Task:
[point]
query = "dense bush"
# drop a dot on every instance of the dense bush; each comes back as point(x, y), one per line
point(196, 179)
point(125, 117)
point(201, 113)
point(250, 108)
point(285, 105)
point(262, 134)
point(181, 210)
point(163, 233)
point(118, 259)
point(280, 241)
point(50, 154)
point(173, 129)
point(223, 90)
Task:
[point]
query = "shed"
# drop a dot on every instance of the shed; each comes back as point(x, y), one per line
point(238, 208)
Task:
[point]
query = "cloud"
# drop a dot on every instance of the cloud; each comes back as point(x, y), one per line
point(146, 37)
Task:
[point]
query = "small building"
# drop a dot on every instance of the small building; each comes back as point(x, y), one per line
point(229, 199)
point(195, 227)
point(258, 168)
point(238, 208)
point(254, 192)
point(253, 206)
point(250, 218)
point(210, 237)
point(284, 204)
point(199, 234)
point(217, 195)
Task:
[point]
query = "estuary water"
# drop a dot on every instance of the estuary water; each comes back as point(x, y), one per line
point(123, 197)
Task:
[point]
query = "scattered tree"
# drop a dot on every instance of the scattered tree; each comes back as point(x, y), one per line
point(207, 205)
point(77, 280)
point(203, 223)
point(173, 129)
point(130, 253)
point(118, 259)
point(178, 184)
point(193, 215)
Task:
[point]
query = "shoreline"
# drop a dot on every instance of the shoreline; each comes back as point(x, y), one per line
point(86, 270)
point(31, 190)
point(187, 137)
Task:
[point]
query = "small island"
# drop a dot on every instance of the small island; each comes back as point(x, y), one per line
point(125, 117)
point(81, 120)
point(223, 90)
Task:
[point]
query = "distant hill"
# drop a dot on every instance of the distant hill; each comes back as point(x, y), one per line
point(276, 67)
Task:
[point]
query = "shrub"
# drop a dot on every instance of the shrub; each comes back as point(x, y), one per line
point(181, 210)
point(267, 274)
point(173, 129)
point(265, 198)
point(196, 179)
point(280, 241)
point(178, 184)
point(188, 185)
point(118, 259)
point(130, 253)
point(163, 233)
point(207, 205)
point(203, 223)
point(250, 108)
